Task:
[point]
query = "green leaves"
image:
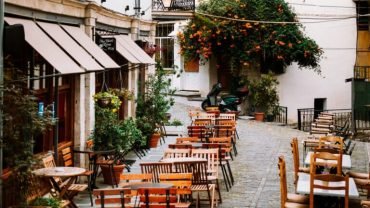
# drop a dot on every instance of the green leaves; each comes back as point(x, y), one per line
point(153, 105)
point(273, 45)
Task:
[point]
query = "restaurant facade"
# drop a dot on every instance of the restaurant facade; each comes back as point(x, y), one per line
point(65, 65)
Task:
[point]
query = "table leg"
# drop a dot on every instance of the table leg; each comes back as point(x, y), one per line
point(95, 172)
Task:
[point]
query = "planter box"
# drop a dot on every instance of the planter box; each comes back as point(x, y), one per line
point(174, 130)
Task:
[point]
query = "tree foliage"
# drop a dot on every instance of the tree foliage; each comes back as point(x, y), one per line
point(272, 46)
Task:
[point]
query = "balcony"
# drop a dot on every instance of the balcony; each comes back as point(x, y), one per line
point(362, 72)
point(173, 9)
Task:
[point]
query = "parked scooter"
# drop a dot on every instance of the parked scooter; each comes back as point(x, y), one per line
point(227, 102)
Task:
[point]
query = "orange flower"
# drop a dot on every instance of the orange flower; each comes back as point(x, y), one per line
point(290, 45)
point(248, 25)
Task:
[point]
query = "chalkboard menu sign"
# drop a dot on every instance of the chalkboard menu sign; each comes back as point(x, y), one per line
point(107, 44)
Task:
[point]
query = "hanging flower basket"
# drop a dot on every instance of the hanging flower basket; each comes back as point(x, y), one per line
point(107, 100)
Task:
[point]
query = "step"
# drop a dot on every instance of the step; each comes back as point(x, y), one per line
point(187, 93)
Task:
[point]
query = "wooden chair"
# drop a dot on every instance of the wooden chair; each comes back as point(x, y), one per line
point(227, 116)
point(226, 131)
point(200, 182)
point(297, 168)
point(111, 197)
point(67, 158)
point(158, 198)
point(212, 156)
point(182, 182)
point(326, 160)
point(324, 185)
point(227, 122)
point(73, 189)
point(365, 204)
point(176, 153)
point(198, 131)
point(223, 162)
point(180, 140)
point(289, 200)
point(362, 180)
point(202, 122)
point(180, 146)
point(331, 142)
point(156, 168)
point(136, 177)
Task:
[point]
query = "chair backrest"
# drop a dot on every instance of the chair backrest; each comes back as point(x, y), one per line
point(109, 197)
point(326, 160)
point(156, 168)
point(227, 116)
point(198, 169)
point(332, 142)
point(318, 181)
point(176, 153)
point(211, 155)
point(182, 181)
point(67, 156)
point(141, 177)
point(49, 161)
point(202, 122)
point(283, 183)
point(207, 116)
point(197, 131)
point(223, 131)
point(157, 197)
point(180, 146)
point(180, 140)
point(295, 152)
point(225, 122)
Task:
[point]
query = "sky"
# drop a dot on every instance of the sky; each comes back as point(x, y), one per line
point(120, 5)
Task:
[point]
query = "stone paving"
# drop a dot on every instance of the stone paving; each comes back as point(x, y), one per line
point(255, 167)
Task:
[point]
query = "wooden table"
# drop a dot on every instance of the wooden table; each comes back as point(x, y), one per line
point(346, 160)
point(68, 173)
point(303, 187)
point(93, 157)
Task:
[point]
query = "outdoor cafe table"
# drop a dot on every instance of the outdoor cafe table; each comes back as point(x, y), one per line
point(303, 187)
point(93, 157)
point(346, 160)
point(67, 173)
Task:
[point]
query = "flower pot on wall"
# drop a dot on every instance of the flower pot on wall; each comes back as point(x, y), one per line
point(108, 177)
point(259, 116)
point(153, 142)
point(192, 65)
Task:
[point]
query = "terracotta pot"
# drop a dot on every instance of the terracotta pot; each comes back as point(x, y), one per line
point(153, 142)
point(259, 116)
point(108, 178)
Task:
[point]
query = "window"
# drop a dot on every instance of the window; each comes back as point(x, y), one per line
point(166, 44)
point(362, 9)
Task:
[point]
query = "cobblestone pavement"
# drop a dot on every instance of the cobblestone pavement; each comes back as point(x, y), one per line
point(255, 167)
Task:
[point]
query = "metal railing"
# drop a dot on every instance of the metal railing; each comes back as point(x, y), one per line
point(174, 5)
point(282, 115)
point(308, 115)
point(361, 72)
point(362, 118)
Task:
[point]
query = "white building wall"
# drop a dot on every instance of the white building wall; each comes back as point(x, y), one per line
point(298, 88)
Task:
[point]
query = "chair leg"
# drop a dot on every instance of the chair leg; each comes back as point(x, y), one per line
point(237, 135)
point(231, 173)
point(90, 190)
point(219, 191)
point(234, 147)
point(114, 179)
point(226, 178)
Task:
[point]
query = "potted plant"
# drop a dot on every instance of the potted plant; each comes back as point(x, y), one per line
point(264, 97)
point(107, 100)
point(153, 105)
point(123, 93)
point(109, 133)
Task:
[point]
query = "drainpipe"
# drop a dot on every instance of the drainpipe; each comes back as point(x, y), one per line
point(1, 95)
